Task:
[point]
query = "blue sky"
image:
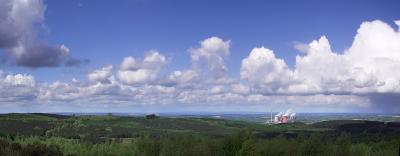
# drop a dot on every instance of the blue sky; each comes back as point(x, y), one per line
point(106, 32)
point(111, 31)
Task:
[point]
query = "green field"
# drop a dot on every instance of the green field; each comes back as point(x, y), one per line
point(30, 134)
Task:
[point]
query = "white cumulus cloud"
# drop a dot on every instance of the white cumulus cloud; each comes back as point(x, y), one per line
point(212, 54)
point(362, 76)
point(369, 65)
point(133, 71)
point(264, 71)
point(20, 22)
point(17, 88)
point(101, 75)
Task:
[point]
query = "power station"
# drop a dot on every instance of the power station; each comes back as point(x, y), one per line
point(282, 118)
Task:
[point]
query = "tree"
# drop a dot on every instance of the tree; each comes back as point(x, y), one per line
point(249, 148)
point(313, 146)
point(344, 144)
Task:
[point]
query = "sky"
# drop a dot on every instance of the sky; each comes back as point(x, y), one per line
point(199, 56)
